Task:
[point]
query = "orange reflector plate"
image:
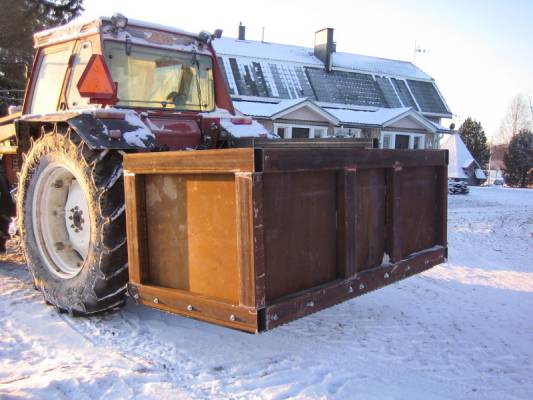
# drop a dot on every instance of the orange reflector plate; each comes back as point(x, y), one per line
point(96, 82)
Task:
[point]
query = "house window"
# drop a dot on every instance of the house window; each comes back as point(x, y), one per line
point(386, 141)
point(319, 132)
point(300, 133)
point(402, 140)
point(417, 140)
point(288, 131)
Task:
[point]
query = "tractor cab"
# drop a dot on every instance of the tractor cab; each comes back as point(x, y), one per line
point(164, 84)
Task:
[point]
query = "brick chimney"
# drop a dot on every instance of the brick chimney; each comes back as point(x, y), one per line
point(242, 31)
point(325, 46)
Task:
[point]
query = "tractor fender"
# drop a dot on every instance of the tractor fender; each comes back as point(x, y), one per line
point(103, 128)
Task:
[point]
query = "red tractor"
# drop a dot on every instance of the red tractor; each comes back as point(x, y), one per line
point(114, 89)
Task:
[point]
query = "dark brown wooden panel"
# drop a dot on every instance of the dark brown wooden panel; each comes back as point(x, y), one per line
point(299, 218)
point(196, 306)
point(347, 221)
point(393, 216)
point(370, 228)
point(192, 234)
point(441, 206)
point(315, 299)
point(285, 160)
point(259, 242)
point(418, 199)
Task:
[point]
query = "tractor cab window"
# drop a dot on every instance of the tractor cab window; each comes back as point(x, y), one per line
point(157, 78)
point(81, 58)
point(49, 79)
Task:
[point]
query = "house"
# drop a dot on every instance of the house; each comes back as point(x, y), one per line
point(299, 92)
point(461, 165)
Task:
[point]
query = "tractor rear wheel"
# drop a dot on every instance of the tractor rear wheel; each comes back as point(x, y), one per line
point(70, 207)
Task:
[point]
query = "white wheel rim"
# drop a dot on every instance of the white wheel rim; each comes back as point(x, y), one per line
point(61, 221)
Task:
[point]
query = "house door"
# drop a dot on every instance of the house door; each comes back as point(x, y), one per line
point(300, 133)
point(402, 142)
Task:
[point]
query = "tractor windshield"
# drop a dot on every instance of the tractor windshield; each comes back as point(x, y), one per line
point(157, 78)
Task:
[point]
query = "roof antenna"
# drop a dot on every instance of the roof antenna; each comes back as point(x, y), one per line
point(418, 49)
point(263, 35)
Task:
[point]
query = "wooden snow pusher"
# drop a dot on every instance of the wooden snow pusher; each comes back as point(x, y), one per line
point(253, 238)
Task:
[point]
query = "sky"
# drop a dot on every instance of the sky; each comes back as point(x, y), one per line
point(478, 52)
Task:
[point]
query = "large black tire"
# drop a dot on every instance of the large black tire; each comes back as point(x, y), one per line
point(102, 275)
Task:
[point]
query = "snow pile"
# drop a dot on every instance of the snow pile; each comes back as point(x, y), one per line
point(462, 330)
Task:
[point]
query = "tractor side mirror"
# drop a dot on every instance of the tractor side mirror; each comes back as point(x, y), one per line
point(96, 82)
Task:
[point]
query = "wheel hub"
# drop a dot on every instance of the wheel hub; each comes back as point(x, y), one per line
point(76, 217)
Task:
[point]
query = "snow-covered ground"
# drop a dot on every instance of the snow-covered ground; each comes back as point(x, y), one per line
point(462, 330)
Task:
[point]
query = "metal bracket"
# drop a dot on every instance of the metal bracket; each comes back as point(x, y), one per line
point(133, 292)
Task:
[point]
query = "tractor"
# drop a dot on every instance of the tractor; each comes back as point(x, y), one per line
point(130, 173)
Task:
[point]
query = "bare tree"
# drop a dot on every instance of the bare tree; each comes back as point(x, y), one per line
point(518, 117)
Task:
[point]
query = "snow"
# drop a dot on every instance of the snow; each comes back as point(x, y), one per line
point(262, 109)
point(378, 117)
point(254, 129)
point(462, 330)
point(266, 51)
point(379, 66)
point(480, 174)
point(459, 156)
point(141, 135)
point(305, 55)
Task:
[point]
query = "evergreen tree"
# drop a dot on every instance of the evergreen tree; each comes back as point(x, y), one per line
point(475, 140)
point(19, 19)
point(518, 160)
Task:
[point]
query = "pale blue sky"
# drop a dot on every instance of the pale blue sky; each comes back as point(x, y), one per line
point(480, 52)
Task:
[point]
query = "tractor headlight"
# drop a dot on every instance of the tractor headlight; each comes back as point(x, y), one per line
point(119, 20)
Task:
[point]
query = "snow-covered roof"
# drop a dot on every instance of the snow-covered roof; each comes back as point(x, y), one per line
point(377, 118)
point(378, 66)
point(259, 109)
point(459, 156)
point(265, 51)
point(279, 110)
point(440, 128)
point(305, 55)
point(270, 70)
